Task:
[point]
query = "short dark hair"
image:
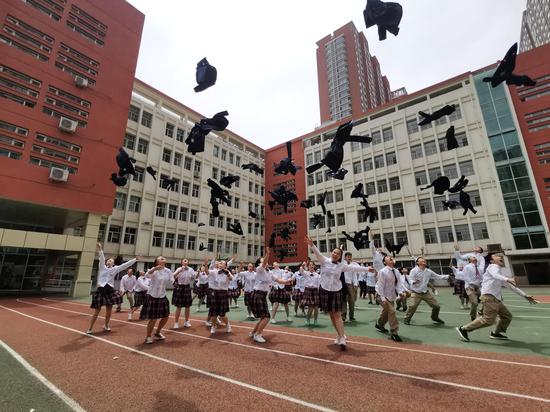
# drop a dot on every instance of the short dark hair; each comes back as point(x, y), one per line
point(480, 249)
point(347, 254)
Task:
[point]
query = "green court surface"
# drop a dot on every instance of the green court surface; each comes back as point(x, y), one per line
point(529, 331)
point(21, 391)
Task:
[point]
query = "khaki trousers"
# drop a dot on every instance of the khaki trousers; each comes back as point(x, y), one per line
point(349, 300)
point(473, 294)
point(388, 314)
point(415, 300)
point(130, 296)
point(492, 307)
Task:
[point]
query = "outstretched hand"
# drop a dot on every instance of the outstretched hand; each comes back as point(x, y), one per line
point(531, 300)
point(309, 241)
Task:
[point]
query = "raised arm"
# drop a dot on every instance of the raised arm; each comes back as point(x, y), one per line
point(460, 275)
point(126, 265)
point(315, 251)
point(434, 275)
point(101, 255)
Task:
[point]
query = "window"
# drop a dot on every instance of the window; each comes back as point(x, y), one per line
point(420, 178)
point(401, 237)
point(446, 234)
point(394, 183)
point(361, 216)
point(339, 195)
point(180, 135)
point(457, 114)
point(356, 167)
point(130, 141)
point(379, 161)
point(388, 236)
point(169, 130)
point(143, 146)
point(430, 236)
point(256, 188)
point(191, 243)
point(317, 156)
point(210, 245)
point(114, 234)
point(120, 201)
point(238, 161)
point(216, 151)
point(185, 188)
point(385, 212)
point(180, 244)
point(310, 180)
point(319, 177)
point(146, 119)
point(398, 210)
point(331, 220)
point(197, 167)
point(135, 204)
point(367, 165)
point(220, 222)
point(434, 173)
point(161, 209)
point(157, 239)
point(329, 198)
point(172, 211)
point(323, 246)
point(231, 157)
point(387, 134)
point(425, 205)
point(101, 232)
point(187, 163)
point(480, 231)
point(224, 154)
point(169, 240)
point(139, 174)
point(309, 159)
point(450, 171)
point(466, 168)
point(193, 216)
point(391, 158)
point(250, 187)
point(370, 188)
point(462, 233)
point(376, 138)
point(236, 203)
point(382, 185)
point(195, 191)
point(416, 151)
point(183, 214)
point(133, 113)
point(461, 139)
point(430, 148)
point(249, 228)
point(475, 198)
point(412, 126)
point(341, 219)
point(178, 158)
point(167, 155)
point(130, 235)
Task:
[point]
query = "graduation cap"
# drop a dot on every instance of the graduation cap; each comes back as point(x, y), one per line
point(444, 111)
point(451, 204)
point(271, 203)
point(451, 141)
point(218, 122)
point(335, 155)
point(360, 239)
point(306, 203)
point(385, 15)
point(196, 139)
point(285, 233)
point(201, 247)
point(215, 207)
point(321, 202)
point(440, 185)
point(394, 249)
point(218, 193)
point(252, 214)
point(283, 196)
point(272, 240)
point(118, 180)
point(464, 199)
point(206, 75)
point(370, 212)
point(125, 163)
point(257, 224)
point(201, 224)
point(358, 192)
point(253, 168)
point(504, 71)
point(317, 219)
point(227, 181)
point(169, 183)
point(286, 166)
point(152, 172)
point(236, 228)
point(282, 254)
point(330, 216)
point(459, 185)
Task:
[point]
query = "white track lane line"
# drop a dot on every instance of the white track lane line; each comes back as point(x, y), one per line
point(375, 345)
point(307, 357)
point(70, 402)
point(466, 313)
point(180, 365)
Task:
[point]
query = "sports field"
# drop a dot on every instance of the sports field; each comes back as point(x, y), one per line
point(299, 368)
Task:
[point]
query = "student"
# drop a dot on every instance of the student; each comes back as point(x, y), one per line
point(105, 294)
point(371, 284)
point(263, 282)
point(350, 296)
point(140, 292)
point(311, 282)
point(156, 304)
point(234, 290)
point(248, 279)
point(279, 294)
point(401, 301)
point(330, 290)
point(219, 278)
point(127, 284)
point(201, 288)
point(298, 290)
point(491, 297)
point(388, 288)
point(362, 278)
point(181, 296)
point(477, 252)
point(472, 279)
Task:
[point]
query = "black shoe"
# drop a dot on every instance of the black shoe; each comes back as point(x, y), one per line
point(404, 309)
point(438, 321)
point(499, 335)
point(380, 328)
point(407, 322)
point(395, 337)
point(370, 303)
point(352, 319)
point(463, 334)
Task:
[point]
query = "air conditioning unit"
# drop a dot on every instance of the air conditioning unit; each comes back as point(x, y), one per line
point(67, 125)
point(81, 82)
point(59, 175)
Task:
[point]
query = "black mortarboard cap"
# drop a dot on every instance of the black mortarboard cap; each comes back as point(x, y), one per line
point(271, 203)
point(236, 228)
point(440, 185)
point(451, 204)
point(218, 122)
point(282, 254)
point(444, 111)
point(286, 166)
point(459, 185)
point(385, 15)
point(215, 207)
point(217, 192)
point(504, 71)
point(285, 233)
point(357, 192)
point(253, 168)
point(252, 214)
point(360, 239)
point(169, 183)
point(206, 75)
point(321, 202)
point(201, 247)
point(394, 249)
point(125, 163)
point(464, 199)
point(256, 224)
point(306, 203)
point(228, 180)
point(201, 224)
point(152, 172)
point(118, 180)
point(450, 138)
point(317, 219)
point(283, 196)
point(196, 139)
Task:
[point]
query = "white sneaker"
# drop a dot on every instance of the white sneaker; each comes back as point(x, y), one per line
point(343, 342)
point(289, 319)
point(159, 336)
point(106, 328)
point(228, 329)
point(259, 339)
point(187, 324)
point(176, 326)
point(89, 332)
point(212, 330)
point(337, 340)
point(273, 321)
point(208, 323)
point(129, 316)
point(149, 340)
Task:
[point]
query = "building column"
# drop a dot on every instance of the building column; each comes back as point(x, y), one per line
point(83, 282)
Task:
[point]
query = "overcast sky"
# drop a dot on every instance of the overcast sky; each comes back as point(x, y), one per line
point(265, 52)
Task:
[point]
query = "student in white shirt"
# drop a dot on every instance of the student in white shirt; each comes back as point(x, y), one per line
point(472, 278)
point(370, 278)
point(234, 290)
point(219, 278)
point(201, 288)
point(401, 301)
point(350, 294)
point(491, 297)
point(262, 284)
point(247, 278)
point(184, 276)
point(156, 304)
point(127, 284)
point(477, 252)
point(105, 294)
point(140, 292)
point(330, 290)
point(279, 294)
point(311, 282)
point(298, 290)
point(388, 288)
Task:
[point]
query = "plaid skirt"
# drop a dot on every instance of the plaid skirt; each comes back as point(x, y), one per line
point(234, 293)
point(155, 308)
point(371, 289)
point(181, 297)
point(279, 296)
point(297, 295)
point(139, 298)
point(209, 293)
point(310, 297)
point(330, 302)
point(459, 288)
point(219, 303)
point(99, 300)
point(201, 290)
point(247, 298)
point(258, 304)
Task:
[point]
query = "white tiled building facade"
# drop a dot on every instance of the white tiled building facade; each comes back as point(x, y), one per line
point(535, 25)
point(149, 220)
